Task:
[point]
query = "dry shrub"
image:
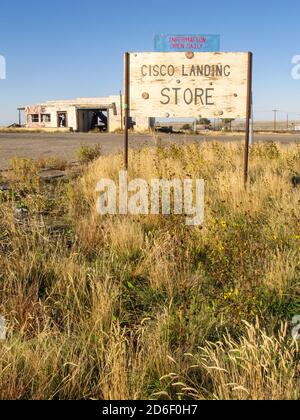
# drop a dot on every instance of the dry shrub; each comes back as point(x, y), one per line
point(255, 367)
point(87, 154)
point(24, 172)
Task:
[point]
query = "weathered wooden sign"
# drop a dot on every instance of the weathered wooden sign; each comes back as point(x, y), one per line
point(204, 85)
point(179, 43)
point(175, 85)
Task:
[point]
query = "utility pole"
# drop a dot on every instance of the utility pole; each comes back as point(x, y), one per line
point(195, 126)
point(275, 118)
point(287, 122)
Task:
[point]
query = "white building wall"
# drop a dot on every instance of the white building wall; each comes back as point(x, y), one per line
point(71, 106)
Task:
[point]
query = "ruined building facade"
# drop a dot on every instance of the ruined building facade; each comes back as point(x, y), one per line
point(82, 114)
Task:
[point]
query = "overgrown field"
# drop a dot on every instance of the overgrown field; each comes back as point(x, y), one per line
point(146, 307)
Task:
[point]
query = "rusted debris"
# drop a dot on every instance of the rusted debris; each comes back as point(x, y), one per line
point(49, 175)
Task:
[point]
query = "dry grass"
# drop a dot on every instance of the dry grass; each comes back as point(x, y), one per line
point(145, 307)
point(256, 367)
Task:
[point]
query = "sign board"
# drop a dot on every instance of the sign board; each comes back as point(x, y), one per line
point(191, 85)
point(180, 43)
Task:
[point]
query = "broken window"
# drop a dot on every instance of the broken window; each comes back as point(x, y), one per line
point(35, 118)
point(46, 118)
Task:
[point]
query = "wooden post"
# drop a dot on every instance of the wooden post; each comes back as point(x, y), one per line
point(126, 109)
point(252, 122)
point(248, 118)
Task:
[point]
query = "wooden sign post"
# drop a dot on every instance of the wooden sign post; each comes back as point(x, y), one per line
point(248, 118)
point(190, 85)
point(126, 109)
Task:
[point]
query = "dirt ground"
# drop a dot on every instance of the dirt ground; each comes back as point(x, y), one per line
point(65, 145)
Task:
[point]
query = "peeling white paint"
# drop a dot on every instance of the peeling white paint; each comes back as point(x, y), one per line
point(2, 328)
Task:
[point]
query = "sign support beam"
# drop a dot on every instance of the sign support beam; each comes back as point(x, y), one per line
point(126, 109)
point(248, 118)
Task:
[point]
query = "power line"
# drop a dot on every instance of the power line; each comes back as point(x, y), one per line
point(279, 111)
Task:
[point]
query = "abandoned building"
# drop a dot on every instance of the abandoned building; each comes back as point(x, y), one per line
point(82, 115)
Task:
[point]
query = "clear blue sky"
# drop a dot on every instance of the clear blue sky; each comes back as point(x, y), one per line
point(72, 48)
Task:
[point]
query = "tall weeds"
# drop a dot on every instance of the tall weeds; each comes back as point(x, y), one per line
point(144, 307)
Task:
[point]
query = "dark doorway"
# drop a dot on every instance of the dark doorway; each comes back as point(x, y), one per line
point(62, 121)
point(92, 120)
